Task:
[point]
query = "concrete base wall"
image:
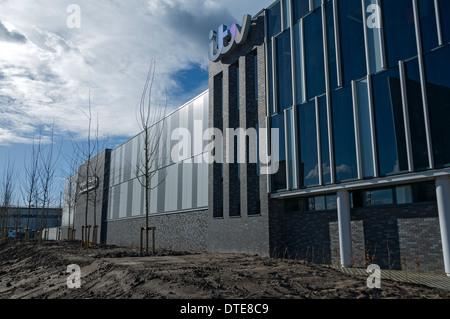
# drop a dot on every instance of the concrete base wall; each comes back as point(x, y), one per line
point(179, 231)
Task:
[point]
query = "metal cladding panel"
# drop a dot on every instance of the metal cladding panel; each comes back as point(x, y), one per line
point(176, 185)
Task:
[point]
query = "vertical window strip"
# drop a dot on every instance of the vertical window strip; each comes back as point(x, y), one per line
point(423, 84)
point(406, 116)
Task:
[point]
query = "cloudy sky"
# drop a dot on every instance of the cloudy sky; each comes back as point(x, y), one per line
point(48, 70)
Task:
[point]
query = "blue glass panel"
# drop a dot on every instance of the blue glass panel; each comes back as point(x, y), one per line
point(352, 40)
point(331, 46)
point(374, 40)
point(286, 13)
point(291, 147)
point(301, 8)
point(324, 142)
point(416, 117)
point(317, 4)
point(315, 72)
point(399, 31)
point(379, 197)
point(437, 68)
point(444, 8)
point(298, 63)
point(390, 128)
point(274, 20)
point(428, 25)
point(270, 77)
point(365, 130)
point(279, 178)
point(344, 135)
point(284, 71)
point(308, 159)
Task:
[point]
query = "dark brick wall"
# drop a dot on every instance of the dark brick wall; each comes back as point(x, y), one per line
point(179, 231)
point(238, 209)
point(395, 237)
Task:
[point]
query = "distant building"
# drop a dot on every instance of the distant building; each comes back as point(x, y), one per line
point(17, 218)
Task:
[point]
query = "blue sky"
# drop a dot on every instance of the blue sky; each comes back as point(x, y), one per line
point(48, 70)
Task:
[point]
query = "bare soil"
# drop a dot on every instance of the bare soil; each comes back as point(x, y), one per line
point(29, 270)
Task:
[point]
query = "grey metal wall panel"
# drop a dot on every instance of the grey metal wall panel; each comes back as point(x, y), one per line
point(177, 186)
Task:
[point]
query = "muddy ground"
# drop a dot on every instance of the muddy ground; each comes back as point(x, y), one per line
point(31, 270)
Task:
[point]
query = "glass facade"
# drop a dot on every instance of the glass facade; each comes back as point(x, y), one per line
point(437, 69)
point(344, 135)
point(308, 159)
point(371, 86)
point(399, 32)
point(389, 124)
point(351, 29)
point(314, 56)
point(284, 72)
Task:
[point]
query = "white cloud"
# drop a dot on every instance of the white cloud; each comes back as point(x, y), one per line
point(47, 70)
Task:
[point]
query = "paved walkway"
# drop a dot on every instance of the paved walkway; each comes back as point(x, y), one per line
point(440, 281)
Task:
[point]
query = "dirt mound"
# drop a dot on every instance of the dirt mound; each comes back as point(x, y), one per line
point(32, 270)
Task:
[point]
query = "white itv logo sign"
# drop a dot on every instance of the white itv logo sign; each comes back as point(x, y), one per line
point(226, 40)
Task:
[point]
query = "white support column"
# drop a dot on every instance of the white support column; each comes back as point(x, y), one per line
point(345, 237)
point(443, 200)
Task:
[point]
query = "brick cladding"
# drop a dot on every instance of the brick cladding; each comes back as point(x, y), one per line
point(238, 208)
point(398, 237)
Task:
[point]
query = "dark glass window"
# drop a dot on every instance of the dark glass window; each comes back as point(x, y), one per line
point(416, 116)
point(270, 78)
point(291, 146)
point(311, 204)
point(308, 160)
point(274, 20)
point(286, 14)
point(379, 197)
point(390, 128)
point(424, 192)
point(331, 202)
point(284, 71)
point(255, 78)
point(301, 8)
point(365, 129)
point(234, 87)
point(374, 36)
point(251, 76)
point(369, 198)
point(324, 142)
point(218, 94)
point(428, 25)
point(404, 195)
point(444, 8)
point(437, 68)
point(352, 40)
point(344, 135)
point(298, 36)
point(279, 178)
point(331, 46)
point(399, 30)
point(315, 72)
point(316, 4)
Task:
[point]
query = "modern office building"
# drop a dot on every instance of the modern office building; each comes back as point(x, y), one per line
point(359, 93)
